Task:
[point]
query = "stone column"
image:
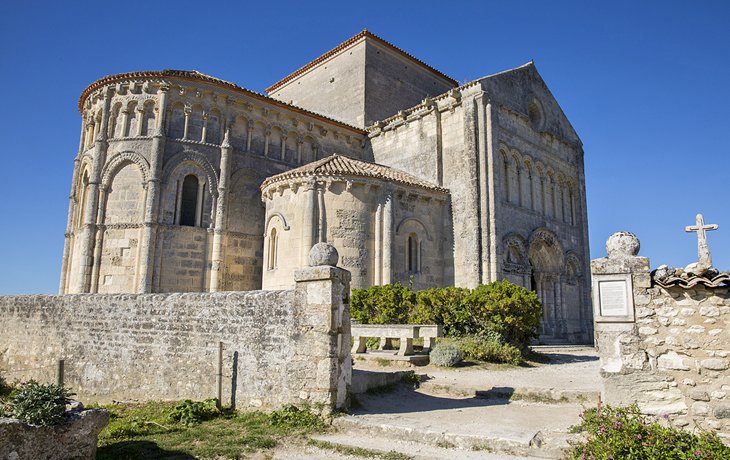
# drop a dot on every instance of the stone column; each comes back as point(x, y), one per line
point(125, 121)
point(89, 228)
point(178, 201)
point(267, 137)
point(308, 233)
point(283, 147)
point(187, 110)
point(100, 229)
point(325, 303)
point(69, 221)
point(221, 214)
point(484, 193)
point(199, 205)
point(204, 131)
point(249, 135)
point(140, 121)
point(387, 254)
point(152, 204)
point(378, 244)
point(321, 215)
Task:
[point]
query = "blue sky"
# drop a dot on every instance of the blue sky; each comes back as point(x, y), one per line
point(645, 84)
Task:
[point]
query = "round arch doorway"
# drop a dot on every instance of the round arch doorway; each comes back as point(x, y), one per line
point(546, 258)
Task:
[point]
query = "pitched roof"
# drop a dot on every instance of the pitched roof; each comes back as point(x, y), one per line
point(346, 44)
point(194, 75)
point(339, 165)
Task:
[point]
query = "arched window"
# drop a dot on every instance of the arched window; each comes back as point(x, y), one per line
point(413, 254)
point(272, 250)
point(535, 115)
point(189, 201)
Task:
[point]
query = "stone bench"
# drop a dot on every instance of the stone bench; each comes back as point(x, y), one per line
point(387, 332)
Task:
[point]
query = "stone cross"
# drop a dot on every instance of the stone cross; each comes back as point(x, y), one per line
point(703, 251)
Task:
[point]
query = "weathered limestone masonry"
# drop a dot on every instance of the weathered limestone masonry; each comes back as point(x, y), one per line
point(165, 193)
point(456, 185)
point(279, 346)
point(388, 225)
point(513, 164)
point(664, 345)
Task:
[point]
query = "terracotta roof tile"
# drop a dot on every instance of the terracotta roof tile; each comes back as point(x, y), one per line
point(339, 165)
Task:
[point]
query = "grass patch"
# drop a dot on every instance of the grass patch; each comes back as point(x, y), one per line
point(446, 444)
point(382, 362)
point(358, 451)
point(412, 379)
point(148, 431)
point(482, 448)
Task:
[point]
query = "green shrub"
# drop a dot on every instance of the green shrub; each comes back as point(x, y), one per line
point(293, 417)
point(508, 309)
point(445, 355)
point(622, 432)
point(190, 412)
point(388, 304)
point(444, 306)
point(39, 404)
point(498, 313)
point(478, 348)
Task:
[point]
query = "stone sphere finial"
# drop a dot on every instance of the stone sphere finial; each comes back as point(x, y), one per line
point(323, 254)
point(622, 244)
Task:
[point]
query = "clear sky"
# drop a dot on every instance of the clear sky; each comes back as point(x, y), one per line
point(646, 85)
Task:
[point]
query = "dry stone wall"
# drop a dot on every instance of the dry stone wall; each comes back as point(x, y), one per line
point(279, 346)
point(672, 354)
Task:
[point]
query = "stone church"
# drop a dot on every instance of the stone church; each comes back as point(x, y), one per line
point(185, 182)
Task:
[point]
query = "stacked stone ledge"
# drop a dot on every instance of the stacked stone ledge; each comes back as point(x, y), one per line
point(674, 357)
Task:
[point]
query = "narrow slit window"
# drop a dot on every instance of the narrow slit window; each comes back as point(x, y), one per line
point(413, 256)
point(272, 249)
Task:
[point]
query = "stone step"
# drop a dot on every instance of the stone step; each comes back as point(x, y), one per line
point(363, 380)
point(529, 444)
point(528, 394)
point(500, 426)
point(410, 449)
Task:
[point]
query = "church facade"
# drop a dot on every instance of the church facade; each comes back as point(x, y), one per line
point(185, 183)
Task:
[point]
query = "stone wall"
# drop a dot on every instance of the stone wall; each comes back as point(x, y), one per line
point(671, 353)
point(279, 346)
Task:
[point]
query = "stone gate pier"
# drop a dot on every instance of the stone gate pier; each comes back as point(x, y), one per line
point(663, 336)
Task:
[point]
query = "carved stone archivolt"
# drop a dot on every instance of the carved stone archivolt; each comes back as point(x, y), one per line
point(546, 252)
point(514, 249)
point(118, 161)
point(200, 161)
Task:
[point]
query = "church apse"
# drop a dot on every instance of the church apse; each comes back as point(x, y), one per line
point(387, 226)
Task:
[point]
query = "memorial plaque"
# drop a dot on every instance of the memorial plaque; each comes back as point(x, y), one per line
point(613, 298)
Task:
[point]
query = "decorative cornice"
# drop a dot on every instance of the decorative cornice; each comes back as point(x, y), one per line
point(193, 75)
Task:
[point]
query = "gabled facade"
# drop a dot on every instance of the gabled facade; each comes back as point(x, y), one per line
point(184, 182)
